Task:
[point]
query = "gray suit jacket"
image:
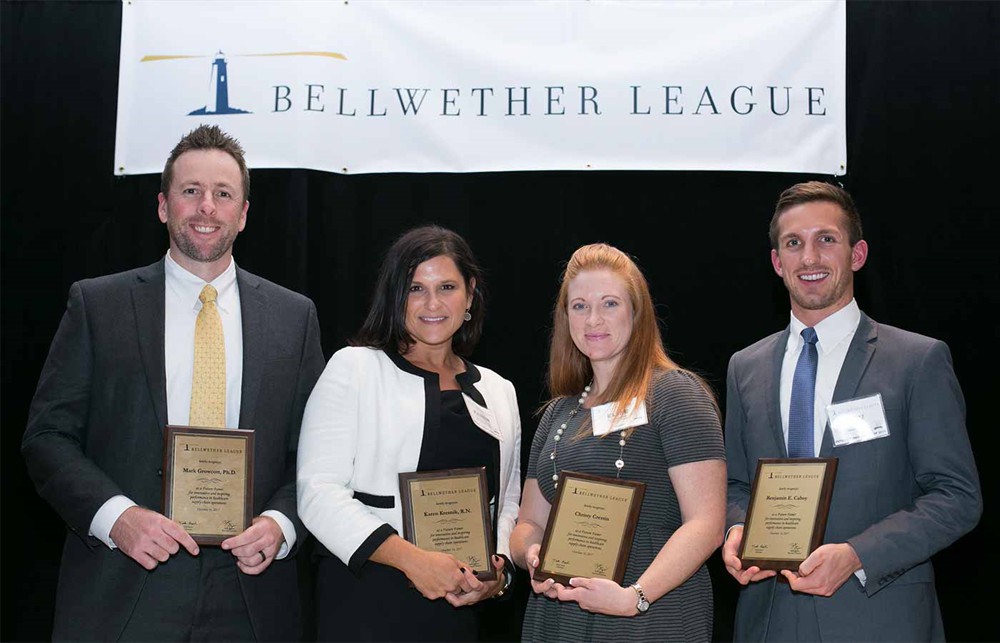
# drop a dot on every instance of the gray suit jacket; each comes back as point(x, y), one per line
point(95, 430)
point(897, 500)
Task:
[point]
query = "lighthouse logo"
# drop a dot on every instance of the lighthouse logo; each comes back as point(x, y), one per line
point(218, 91)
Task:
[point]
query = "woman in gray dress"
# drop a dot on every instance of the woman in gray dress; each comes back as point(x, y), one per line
point(607, 352)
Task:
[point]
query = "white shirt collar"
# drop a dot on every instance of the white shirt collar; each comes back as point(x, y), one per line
point(187, 286)
point(829, 332)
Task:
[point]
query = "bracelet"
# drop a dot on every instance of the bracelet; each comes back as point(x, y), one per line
point(507, 578)
point(508, 572)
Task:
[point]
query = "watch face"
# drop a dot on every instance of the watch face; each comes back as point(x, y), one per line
point(643, 605)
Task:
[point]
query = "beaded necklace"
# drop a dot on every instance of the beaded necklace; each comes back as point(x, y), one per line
point(619, 463)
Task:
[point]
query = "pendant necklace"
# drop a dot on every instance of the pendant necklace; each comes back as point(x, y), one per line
point(619, 463)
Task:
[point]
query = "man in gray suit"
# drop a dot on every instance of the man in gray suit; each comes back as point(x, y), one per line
point(900, 495)
point(121, 368)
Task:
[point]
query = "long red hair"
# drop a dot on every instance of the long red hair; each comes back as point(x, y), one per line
point(570, 369)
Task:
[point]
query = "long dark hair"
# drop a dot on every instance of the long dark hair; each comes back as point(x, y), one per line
point(385, 326)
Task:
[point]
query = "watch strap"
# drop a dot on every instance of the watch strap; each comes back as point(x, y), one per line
point(642, 604)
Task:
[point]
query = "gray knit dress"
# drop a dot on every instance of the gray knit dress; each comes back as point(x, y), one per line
point(684, 427)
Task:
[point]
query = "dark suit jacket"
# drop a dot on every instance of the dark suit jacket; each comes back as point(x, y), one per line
point(897, 500)
point(95, 430)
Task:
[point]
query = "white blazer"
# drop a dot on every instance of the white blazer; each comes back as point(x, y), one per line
point(362, 427)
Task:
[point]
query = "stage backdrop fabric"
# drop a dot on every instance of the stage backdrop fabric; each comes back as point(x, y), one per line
point(923, 89)
point(470, 86)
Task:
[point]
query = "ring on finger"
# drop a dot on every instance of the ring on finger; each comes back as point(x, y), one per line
point(263, 557)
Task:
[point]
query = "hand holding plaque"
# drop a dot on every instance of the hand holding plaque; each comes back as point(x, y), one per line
point(789, 504)
point(590, 528)
point(208, 481)
point(448, 511)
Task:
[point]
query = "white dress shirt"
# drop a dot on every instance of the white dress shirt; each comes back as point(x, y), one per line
point(181, 309)
point(834, 335)
point(181, 313)
point(834, 338)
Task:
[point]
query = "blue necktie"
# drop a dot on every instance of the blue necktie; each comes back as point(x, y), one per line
point(800, 411)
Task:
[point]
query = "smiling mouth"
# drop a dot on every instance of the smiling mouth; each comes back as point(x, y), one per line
point(814, 276)
point(205, 229)
point(432, 320)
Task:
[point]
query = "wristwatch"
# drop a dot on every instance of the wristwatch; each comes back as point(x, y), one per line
point(643, 604)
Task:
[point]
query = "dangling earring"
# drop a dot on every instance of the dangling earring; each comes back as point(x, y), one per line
point(467, 316)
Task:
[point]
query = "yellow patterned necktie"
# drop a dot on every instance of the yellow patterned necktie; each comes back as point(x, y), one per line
point(208, 386)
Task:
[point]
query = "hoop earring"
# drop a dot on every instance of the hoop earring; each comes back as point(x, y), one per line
point(467, 316)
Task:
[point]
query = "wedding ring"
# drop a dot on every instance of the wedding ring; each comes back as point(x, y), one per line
point(263, 558)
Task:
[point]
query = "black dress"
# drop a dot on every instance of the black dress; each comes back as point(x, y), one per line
point(379, 604)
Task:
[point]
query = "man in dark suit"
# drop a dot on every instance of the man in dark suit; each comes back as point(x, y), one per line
point(123, 365)
point(904, 490)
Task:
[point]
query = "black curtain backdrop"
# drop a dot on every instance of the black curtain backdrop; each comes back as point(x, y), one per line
point(923, 100)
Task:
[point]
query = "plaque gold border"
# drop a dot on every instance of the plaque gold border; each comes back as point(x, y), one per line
point(625, 531)
point(245, 439)
point(820, 507)
point(486, 522)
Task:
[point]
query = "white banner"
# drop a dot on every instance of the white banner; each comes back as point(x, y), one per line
point(470, 86)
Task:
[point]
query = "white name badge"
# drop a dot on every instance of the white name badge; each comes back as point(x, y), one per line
point(857, 420)
point(482, 417)
point(603, 420)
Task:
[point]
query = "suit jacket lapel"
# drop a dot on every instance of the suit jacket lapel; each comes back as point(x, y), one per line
point(253, 312)
point(772, 388)
point(149, 300)
point(859, 354)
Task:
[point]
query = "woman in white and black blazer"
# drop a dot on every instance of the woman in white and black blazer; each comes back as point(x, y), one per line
point(403, 398)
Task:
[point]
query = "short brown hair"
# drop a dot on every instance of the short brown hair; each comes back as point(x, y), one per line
point(207, 137)
point(817, 191)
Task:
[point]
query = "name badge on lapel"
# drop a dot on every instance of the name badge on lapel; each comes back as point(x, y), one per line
point(858, 420)
point(601, 417)
point(482, 417)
